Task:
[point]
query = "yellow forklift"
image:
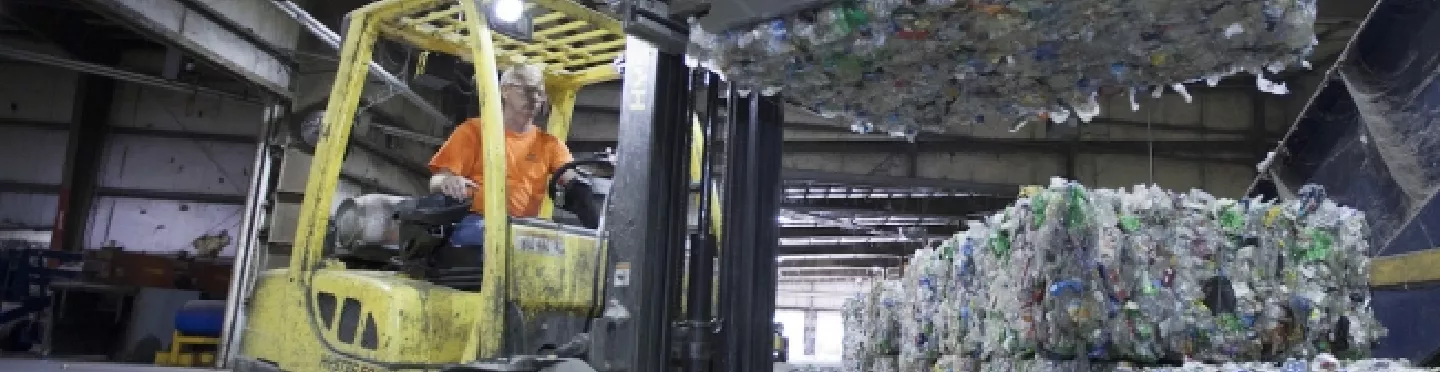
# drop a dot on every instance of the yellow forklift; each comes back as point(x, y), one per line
point(639, 281)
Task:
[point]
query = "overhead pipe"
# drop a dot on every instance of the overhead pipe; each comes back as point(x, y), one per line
point(331, 39)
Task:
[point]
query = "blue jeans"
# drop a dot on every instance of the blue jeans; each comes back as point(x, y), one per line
point(470, 231)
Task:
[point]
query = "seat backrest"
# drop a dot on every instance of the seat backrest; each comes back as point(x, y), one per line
point(434, 210)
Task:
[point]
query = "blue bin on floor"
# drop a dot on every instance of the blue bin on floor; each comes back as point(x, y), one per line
point(202, 318)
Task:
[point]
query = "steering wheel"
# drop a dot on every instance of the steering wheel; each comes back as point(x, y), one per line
point(555, 186)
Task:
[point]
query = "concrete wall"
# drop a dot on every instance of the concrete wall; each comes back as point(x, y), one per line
point(144, 107)
point(160, 226)
point(131, 163)
point(34, 156)
point(199, 166)
point(32, 93)
point(141, 162)
point(23, 210)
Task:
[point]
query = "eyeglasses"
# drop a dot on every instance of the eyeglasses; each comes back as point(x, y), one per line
point(533, 92)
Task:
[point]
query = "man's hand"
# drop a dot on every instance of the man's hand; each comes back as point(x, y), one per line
point(452, 185)
point(569, 175)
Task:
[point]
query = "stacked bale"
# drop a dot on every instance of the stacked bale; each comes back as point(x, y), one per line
point(1145, 276)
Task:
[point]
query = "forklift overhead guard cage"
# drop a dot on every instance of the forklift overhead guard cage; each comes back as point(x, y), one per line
point(577, 46)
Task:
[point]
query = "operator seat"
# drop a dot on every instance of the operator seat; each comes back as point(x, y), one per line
point(411, 234)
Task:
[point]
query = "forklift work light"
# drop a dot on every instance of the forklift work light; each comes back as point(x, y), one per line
point(509, 18)
point(507, 11)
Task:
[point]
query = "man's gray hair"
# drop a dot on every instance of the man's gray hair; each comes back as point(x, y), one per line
point(531, 76)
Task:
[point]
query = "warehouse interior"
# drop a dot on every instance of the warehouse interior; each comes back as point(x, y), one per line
point(156, 139)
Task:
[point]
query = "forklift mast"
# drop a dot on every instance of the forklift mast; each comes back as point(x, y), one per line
point(644, 327)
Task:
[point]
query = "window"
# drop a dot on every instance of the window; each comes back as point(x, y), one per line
point(829, 331)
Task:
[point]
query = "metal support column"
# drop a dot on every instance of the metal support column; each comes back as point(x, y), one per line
point(747, 259)
point(94, 96)
point(251, 249)
point(768, 135)
point(648, 239)
point(812, 320)
point(912, 160)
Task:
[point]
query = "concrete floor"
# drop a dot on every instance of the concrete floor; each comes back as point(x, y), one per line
point(43, 365)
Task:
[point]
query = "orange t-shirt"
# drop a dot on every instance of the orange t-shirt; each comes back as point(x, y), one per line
point(531, 158)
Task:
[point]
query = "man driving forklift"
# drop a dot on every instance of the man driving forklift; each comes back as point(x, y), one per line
point(532, 157)
point(445, 230)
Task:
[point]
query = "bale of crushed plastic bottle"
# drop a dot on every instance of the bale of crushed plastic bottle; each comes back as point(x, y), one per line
point(1320, 363)
point(924, 286)
point(1145, 276)
point(853, 353)
point(883, 307)
point(1150, 275)
point(903, 65)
